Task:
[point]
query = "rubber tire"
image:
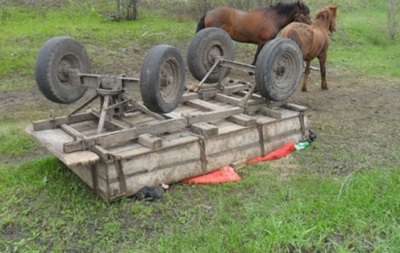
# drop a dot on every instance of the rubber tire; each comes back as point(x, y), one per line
point(202, 50)
point(278, 70)
point(158, 95)
point(56, 53)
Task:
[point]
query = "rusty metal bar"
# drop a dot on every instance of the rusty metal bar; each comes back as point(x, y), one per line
point(93, 79)
point(198, 86)
point(237, 65)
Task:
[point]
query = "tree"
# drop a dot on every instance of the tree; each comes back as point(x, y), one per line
point(128, 10)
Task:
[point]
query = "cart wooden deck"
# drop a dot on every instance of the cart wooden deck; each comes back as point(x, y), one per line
point(209, 129)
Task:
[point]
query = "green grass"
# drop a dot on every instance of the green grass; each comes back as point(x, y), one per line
point(304, 213)
point(46, 208)
point(44, 202)
point(24, 30)
point(15, 142)
point(361, 44)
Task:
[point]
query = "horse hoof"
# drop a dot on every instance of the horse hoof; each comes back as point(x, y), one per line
point(304, 90)
point(325, 88)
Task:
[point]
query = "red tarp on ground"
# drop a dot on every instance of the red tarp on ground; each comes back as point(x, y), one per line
point(276, 154)
point(227, 174)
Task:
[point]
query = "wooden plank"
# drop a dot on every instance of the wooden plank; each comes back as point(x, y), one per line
point(243, 120)
point(145, 110)
point(276, 114)
point(119, 123)
point(278, 127)
point(176, 153)
point(289, 113)
point(272, 144)
point(189, 96)
point(119, 137)
point(138, 119)
point(57, 121)
point(215, 115)
point(164, 174)
point(84, 127)
point(208, 93)
point(228, 99)
point(108, 123)
point(150, 141)
point(232, 140)
point(255, 96)
point(253, 109)
point(72, 131)
point(237, 100)
point(204, 129)
point(203, 105)
point(227, 148)
point(133, 150)
point(294, 107)
point(173, 115)
point(225, 126)
point(53, 140)
point(233, 89)
point(132, 114)
point(102, 153)
point(184, 109)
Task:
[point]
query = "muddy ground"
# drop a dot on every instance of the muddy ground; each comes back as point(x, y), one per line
point(357, 121)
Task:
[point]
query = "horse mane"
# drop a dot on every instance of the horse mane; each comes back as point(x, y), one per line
point(287, 8)
point(328, 13)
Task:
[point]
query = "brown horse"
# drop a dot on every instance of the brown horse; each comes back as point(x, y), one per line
point(257, 26)
point(313, 40)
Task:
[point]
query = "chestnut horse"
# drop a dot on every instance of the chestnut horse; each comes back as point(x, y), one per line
point(257, 26)
point(313, 40)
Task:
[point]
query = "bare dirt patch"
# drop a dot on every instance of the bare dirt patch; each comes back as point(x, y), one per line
point(356, 121)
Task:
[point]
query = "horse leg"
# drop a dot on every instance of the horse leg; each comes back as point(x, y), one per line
point(306, 73)
point(322, 61)
point(260, 46)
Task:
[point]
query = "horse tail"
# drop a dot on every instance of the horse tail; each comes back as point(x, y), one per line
point(201, 24)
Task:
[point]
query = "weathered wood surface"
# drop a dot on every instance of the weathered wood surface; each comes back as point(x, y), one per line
point(207, 131)
point(53, 140)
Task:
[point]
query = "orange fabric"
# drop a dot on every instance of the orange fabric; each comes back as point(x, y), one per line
point(225, 174)
point(276, 154)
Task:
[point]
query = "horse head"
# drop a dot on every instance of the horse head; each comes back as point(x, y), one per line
point(290, 12)
point(328, 15)
point(302, 14)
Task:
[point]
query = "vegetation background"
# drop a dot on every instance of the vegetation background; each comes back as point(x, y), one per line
point(341, 195)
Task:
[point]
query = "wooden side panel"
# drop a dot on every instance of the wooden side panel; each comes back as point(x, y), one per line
point(281, 127)
point(172, 158)
point(164, 174)
point(274, 144)
point(232, 147)
point(166, 166)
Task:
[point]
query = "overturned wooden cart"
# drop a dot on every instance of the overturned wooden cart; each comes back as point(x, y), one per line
point(172, 134)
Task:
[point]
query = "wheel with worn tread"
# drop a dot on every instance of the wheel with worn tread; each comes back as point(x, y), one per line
point(54, 61)
point(204, 48)
point(278, 70)
point(162, 78)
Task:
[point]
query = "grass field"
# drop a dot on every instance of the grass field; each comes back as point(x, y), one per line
point(46, 208)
